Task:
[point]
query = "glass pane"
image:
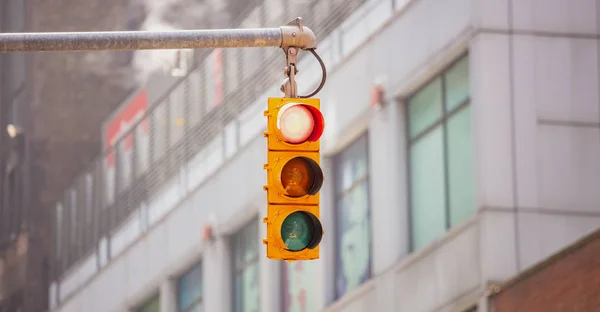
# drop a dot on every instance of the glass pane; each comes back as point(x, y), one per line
point(190, 287)
point(194, 97)
point(427, 188)
point(299, 286)
point(460, 162)
point(352, 164)
point(231, 70)
point(238, 304)
point(250, 288)
point(457, 84)
point(245, 252)
point(58, 231)
point(159, 131)
point(151, 306)
point(425, 107)
point(142, 147)
point(125, 158)
point(197, 308)
point(251, 241)
point(177, 114)
point(473, 309)
point(354, 260)
point(89, 191)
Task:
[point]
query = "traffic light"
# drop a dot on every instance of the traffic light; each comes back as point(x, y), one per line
point(294, 178)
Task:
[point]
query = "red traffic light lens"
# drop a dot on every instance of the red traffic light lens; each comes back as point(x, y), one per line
point(301, 176)
point(300, 123)
point(296, 124)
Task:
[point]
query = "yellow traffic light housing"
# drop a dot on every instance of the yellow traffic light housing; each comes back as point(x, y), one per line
point(294, 178)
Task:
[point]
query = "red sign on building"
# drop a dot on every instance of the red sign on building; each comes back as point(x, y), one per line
point(217, 75)
point(119, 135)
point(123, 122)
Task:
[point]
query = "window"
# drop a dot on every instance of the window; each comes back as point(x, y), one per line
point(158, 131)
point(472, 309)
point(194, 98)
point(142, 147)
point(74, 219)
point(89, 201)
point(245, 265)
point(177, 113)
point(59, 231)
point(213, 68)
point(152, 305)
point(299, 286)
point(189, 291)
point(353, 227)
point(441, 155)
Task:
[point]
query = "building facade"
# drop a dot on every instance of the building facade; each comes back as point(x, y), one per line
point(481, 159)
point(12, 93)
point(51, 109)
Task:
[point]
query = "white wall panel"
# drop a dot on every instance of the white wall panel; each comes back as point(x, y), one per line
point(491, 107)
point(525, 79)
point(566, 78)
point(569, 168)
point(560, 16)
point(542, 234)
point(438, 276)
point(491, 14)
point(498, 245)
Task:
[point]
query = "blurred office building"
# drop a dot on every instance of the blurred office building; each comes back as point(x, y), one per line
point(52, 106)
point(461, 151)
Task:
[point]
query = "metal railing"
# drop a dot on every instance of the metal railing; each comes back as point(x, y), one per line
point(175, 128)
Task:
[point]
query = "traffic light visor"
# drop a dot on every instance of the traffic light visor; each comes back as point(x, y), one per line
point(301, 230)
point(301, 176)
point(299, 123)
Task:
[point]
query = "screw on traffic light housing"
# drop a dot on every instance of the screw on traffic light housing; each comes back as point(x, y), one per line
point(294, 178)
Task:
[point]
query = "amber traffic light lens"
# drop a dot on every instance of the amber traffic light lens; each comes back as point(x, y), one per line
point(301, 176)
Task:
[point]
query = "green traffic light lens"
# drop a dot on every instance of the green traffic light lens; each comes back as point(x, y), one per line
point(297, 231)
point(301, 230)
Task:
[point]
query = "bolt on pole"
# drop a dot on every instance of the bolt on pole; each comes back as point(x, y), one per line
point(293, 34)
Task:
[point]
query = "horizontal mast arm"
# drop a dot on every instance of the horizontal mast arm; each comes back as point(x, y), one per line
point(292, 34)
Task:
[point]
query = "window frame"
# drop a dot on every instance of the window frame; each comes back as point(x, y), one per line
point(198, 301)
point(146, 302)
point(235, 271)
point(441, 122)
point(337, 197)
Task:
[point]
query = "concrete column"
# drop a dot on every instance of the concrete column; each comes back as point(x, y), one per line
point(489, 71)
point(327, 248)
point(387, 179)
point(168, 295)
point(216, 267)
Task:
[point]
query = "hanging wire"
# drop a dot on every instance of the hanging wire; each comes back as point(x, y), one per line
point(323, 79)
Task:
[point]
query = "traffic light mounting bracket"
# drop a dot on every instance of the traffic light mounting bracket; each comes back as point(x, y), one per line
point(305, 40)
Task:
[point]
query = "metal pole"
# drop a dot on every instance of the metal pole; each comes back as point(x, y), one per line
point(291, 34)
point(140, 40)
